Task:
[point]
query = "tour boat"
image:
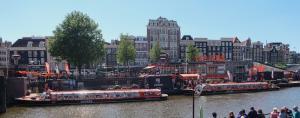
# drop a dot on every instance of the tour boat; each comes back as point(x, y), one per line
point(92, 97)
point(227, 88)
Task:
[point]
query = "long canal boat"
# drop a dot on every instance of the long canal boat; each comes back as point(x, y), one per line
point(92, 97)
point(229, 88)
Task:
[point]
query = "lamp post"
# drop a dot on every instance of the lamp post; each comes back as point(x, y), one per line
point(193, 103)
point(198, 90)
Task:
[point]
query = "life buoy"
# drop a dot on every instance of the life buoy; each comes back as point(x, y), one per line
point(199, 88)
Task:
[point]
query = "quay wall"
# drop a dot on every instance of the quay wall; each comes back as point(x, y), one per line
point(2, 94)
point(16, 87)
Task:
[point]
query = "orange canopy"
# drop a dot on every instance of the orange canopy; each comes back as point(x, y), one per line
point(190, 76)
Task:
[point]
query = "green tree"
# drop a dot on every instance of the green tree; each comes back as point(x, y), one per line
point(192, 53)
point(78, 40)
point(126, 50)
point(155, 52)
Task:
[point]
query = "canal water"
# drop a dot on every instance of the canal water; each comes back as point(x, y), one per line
point(175, 107)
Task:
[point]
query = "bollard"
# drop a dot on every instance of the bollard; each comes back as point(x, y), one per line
point(2, 95)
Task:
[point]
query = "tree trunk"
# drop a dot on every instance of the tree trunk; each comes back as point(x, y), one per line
point(79, 71)
point(127, 64)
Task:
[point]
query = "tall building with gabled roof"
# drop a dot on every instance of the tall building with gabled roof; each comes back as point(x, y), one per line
point(167, 34)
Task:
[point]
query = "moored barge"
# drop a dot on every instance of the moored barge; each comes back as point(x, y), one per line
point(230, 88)
point(92, 97)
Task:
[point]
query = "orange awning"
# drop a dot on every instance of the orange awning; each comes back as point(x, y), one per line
point(190, 76)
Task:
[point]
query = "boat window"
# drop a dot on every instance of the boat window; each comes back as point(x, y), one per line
point(129, 94)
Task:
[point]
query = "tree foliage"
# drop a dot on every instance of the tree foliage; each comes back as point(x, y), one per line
point(192, 53)
point(126, 50)
point(155, 52)
point(78, 40)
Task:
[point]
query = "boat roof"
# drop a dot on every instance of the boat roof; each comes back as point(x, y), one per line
point(190, 76)
point(104, 91)
point(233, 83)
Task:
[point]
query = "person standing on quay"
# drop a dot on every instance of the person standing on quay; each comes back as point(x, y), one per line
point(296, 112)
point(274, 113)
point(260, 114)
point(252, 113)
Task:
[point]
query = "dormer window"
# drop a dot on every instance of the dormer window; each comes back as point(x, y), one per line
point(29, 44)
point(42, 44)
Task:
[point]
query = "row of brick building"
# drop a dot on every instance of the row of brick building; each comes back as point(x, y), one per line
point(28, 53)
point(33, 50)
point(168, 34)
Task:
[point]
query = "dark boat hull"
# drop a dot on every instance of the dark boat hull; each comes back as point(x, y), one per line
point(205, 93)
point(77, 102)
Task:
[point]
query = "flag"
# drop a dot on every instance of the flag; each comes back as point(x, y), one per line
point(76, 72)
point(56, 69)
point(229, 75)
point(47, 67)
point(201, 112)
point(272, 75)
point(67, 68)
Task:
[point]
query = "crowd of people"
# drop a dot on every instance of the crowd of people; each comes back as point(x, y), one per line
point(284, 112)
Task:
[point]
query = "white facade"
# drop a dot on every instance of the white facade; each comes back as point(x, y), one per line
point(142, 52)
point(167, 33)
point(4, 53)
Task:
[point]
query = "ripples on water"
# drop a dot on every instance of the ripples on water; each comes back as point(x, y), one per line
point(175, 107)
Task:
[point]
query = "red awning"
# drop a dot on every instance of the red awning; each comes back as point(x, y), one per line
point(209, 76)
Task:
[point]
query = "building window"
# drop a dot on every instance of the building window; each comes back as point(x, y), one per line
point(42, 61)
point(42, 44)
point(42, 54)
point(35, 60)
point(34, 53)
point(29, 60)
point(29, 44)
point(29, 53)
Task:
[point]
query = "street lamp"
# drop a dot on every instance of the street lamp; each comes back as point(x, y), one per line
point(7, 62)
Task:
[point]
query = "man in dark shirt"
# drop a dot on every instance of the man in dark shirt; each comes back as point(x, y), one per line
point(252, 113)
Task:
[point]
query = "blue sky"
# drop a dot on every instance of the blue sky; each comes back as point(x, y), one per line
point(263, 20)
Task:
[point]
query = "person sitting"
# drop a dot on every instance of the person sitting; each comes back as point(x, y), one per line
point(252, 113)
point(231, 115)
point(242, 114)
point(274, 113)
point(214, 114)
point(282, 113)
point(260, 114)
point(296, 112)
